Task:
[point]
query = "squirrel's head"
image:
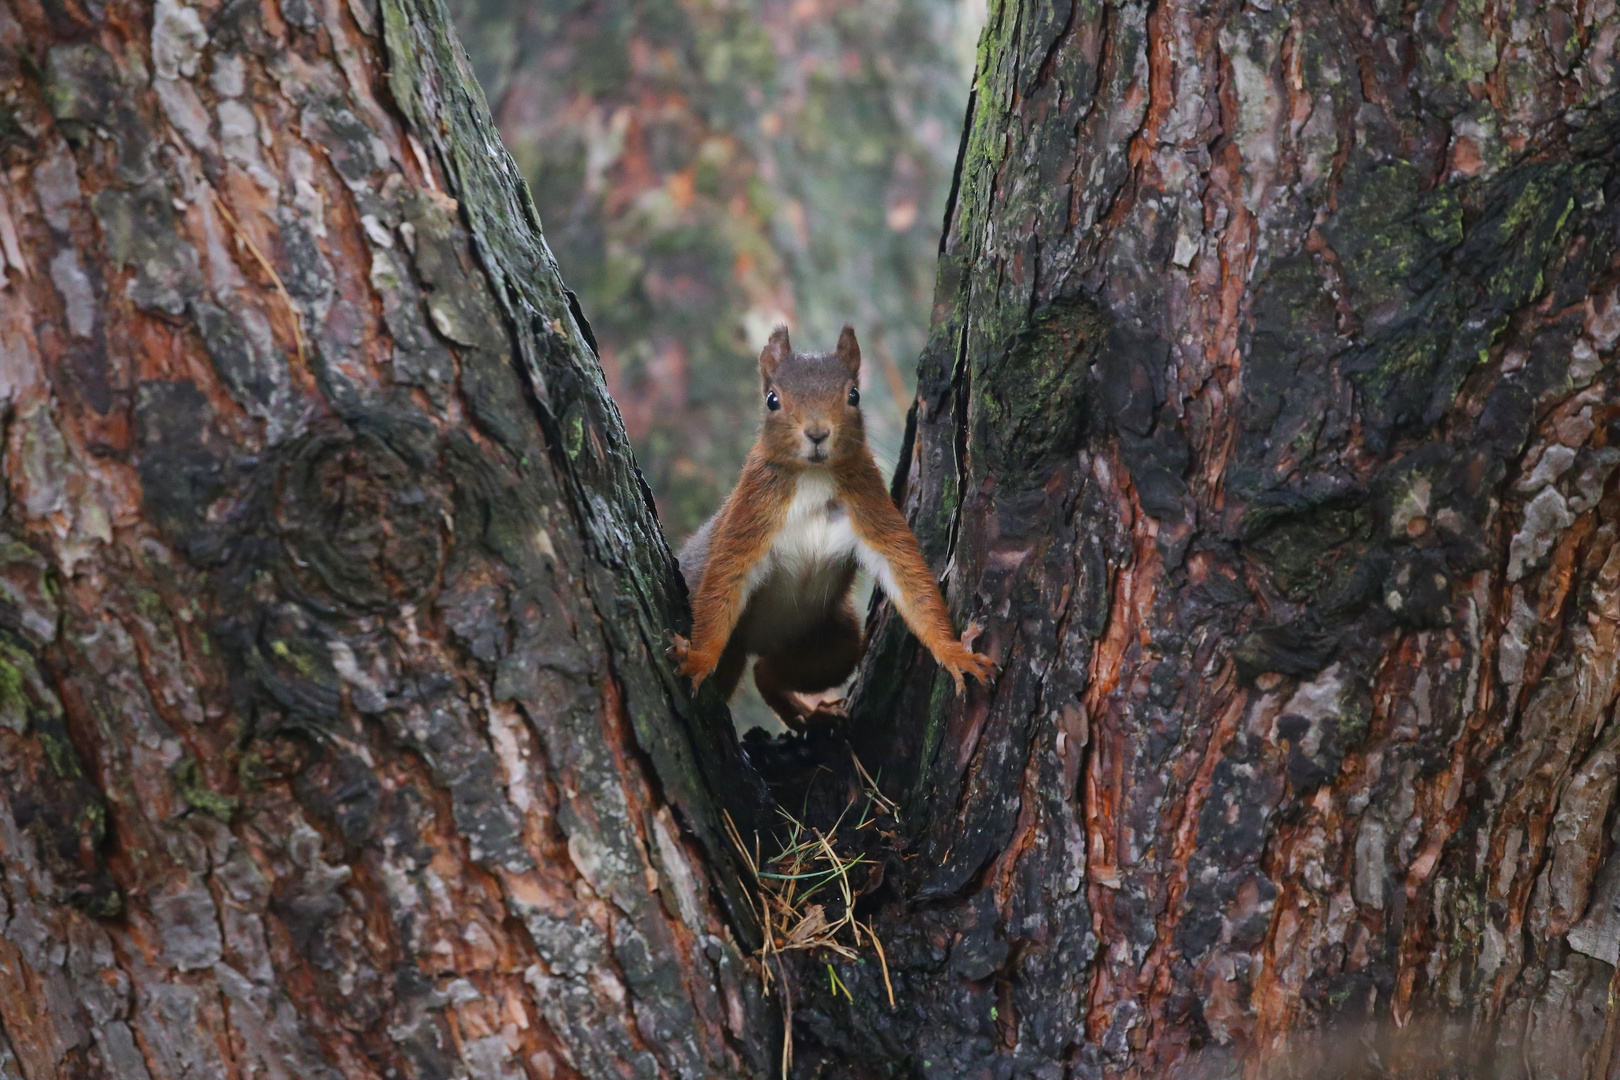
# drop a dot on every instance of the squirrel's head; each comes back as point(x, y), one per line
point(812, 402)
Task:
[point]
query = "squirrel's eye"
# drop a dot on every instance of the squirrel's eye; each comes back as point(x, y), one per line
point(772, 402)
point(854, 396)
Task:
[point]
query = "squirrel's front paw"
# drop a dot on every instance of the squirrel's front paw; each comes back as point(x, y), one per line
point(961, 660)
point(694, 665)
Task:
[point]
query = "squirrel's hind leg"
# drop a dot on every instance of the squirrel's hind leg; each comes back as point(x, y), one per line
point(784, 702)
point(817, 661)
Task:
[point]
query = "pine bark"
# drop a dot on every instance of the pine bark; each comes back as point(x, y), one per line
point(336, 734)
point(1269, 423)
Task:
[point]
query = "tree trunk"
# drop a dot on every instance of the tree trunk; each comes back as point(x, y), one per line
point(1269, 423)
point(338, 739)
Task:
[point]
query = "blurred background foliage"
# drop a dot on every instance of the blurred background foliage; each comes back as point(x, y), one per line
point(705, 169)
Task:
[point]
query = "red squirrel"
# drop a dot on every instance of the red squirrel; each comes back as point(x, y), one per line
point(771, 572)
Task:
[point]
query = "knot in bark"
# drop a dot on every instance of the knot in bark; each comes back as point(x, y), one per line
point(362, 519)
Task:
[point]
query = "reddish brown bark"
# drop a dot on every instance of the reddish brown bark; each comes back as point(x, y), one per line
point(1269, 422)
point(337, 737)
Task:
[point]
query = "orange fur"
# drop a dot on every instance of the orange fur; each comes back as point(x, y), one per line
point(880, 525)
point(748, 522)
point(810, 502)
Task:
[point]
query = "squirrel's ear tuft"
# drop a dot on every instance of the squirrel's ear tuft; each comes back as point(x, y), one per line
point(849, 351)
point(776, 350)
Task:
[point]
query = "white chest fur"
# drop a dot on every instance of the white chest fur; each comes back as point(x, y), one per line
point(816, 531)
point(807, 571)
point(814, 547)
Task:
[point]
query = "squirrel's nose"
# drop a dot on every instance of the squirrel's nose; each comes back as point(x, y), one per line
point(817, 435)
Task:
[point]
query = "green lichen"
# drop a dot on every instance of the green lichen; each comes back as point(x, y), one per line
point(1470, 56)
point(188, 778)
point(60, 755)
point(92, 820)
point(1440, 218)
point(404, 65)
point(301, 659)
point(1353, 722)
point(941, 694)
point(250, 770)
point(1466, 914)
point(151, 605)
point(13, 697)
point(1381, 231)
point(1438, 274)
point(574, 433)
point(101, 904)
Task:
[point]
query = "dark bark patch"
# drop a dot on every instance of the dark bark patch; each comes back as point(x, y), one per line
point(1128, 372)
point(180, 472)
point(1387, 232)
point(51, 796)
point(342, 789)
point(361, 517)
point(1232, 822)
point(288, 662)
point(1292, 649)
point(351, 146)
point(1418, 590)
point(420, 358)
point(1286, 391)
point(309, 907)
point(1440, 272)
point(140, 230)
point(89, 98)
point(458, 298)
point(1035, 410)
point(307, 273)
point(441, 727)
point(252, 377)
point(1158, 465)
point(1313, 547)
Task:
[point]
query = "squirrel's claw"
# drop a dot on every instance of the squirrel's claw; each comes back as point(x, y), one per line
point(688, 663)
point(963, 660)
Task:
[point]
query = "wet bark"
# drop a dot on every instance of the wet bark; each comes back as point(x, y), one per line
point(1269, 422)
point(336, 736)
